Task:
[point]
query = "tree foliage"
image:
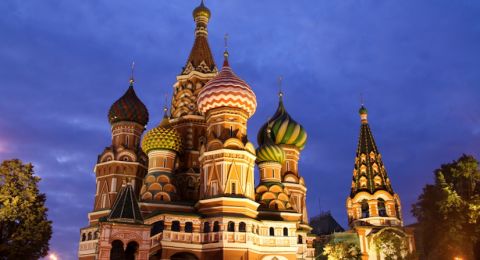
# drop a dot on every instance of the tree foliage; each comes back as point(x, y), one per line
point(448, 211)
point(24, 227)
point(341, 250)
point(391, 245)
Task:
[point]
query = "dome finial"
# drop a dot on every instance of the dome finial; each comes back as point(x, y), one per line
point(363, 111)
point(165, 109)
point(280, 92)
point(225, 53)
point(132, 79)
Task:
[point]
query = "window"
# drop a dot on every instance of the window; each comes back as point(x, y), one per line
point(216, 226)
point(288, 166)
point(84, 237)
point(214, 188)
point(104, 201)
point(365, 209)
point(206, 227)
point(114, 185)
point(382, 211)
point(231, 226)
point(242, 227)
point(175, 225)
point(164, 162)
point(272, 232)
point(127, 140)
point(300, 239)
point(89, 235)
point(157, 228)
point(234, 188)
point(189, 227)
point(285, 232)
point(231, 131)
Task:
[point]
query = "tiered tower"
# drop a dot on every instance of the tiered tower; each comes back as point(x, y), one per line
point(185, 116)
point(123, 160)
point(291, 137)
point(227, 157)
point(372, 200)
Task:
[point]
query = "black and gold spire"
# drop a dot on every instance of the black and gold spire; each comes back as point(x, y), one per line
point(200, 58)
point(369, 174)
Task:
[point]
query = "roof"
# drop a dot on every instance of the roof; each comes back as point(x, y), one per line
point(128, 108)
point(325, 224)
point(199, 54)
point(369, 172)
point(125, 208)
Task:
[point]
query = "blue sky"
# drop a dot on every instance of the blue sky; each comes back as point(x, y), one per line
point(64, 62)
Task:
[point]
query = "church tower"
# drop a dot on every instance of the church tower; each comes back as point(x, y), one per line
point(372, 200)
point(185, 116)
point(285, 132)
point(227, 157)
point(123, 160)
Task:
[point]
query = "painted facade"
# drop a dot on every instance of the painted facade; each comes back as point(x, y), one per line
point(185, 189)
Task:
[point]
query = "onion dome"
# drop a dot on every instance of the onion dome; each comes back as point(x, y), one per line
point(227, 90)
point(162, 137)
point(201, 10)
point(128, 108)
point(270, 152)
point(284, 130)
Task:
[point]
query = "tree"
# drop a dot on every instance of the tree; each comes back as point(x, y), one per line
point(341, 250)
point(391, 244)
point(24, 227)
point(448, 212)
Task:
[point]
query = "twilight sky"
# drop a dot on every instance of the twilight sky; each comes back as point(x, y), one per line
point(64, 62)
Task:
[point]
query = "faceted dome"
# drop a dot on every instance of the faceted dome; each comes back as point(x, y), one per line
point(227, 90)
point(284, 130)
point(270, 153)
point(201, 10)
point(162, 137)
point(128, 108)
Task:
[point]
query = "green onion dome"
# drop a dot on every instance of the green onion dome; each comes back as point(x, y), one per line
point(128, 108)
point(284, 130)
point(270, 153)
point(162, 137)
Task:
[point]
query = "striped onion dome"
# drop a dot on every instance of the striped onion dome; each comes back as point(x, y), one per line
point(162, 137)
point(227, 90)
point(284, 130)
point(270, 152)
point(128, 108)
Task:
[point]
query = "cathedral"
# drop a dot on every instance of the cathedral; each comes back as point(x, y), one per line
point(185, 189)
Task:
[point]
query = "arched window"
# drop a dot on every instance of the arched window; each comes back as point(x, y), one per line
point(131, 250)
point(116, 253)
point(300, 239)
point(84, 237)
point(382, 211)
point(95, 235)
point(189, 227)
point(206, 227)
point(272, 232)
point(285, 232)
point(234, 188)
point(365, 209)
point(175, 225)
point(157, 228)
point(397, 210)
point(231, 226)
point(89, 235)
point(216, 226)
point(242, 227)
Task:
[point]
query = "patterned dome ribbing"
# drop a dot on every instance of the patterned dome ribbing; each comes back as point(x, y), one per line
point(269, 152)
point(162, 137)
point(227, 90)
point(284, 130)
point(128, 108)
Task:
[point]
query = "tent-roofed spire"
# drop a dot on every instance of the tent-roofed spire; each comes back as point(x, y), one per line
point(125, 208)
point(200, 58)
point(369, 173)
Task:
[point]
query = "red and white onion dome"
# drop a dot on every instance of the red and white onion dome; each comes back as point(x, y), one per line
point(227, 90)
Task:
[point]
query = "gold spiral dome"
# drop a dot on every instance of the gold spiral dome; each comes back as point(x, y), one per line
point(162, 137)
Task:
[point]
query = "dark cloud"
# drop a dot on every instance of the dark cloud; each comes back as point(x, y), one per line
point(63, 63)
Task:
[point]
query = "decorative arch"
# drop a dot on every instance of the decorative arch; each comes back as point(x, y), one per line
point(184, 256)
